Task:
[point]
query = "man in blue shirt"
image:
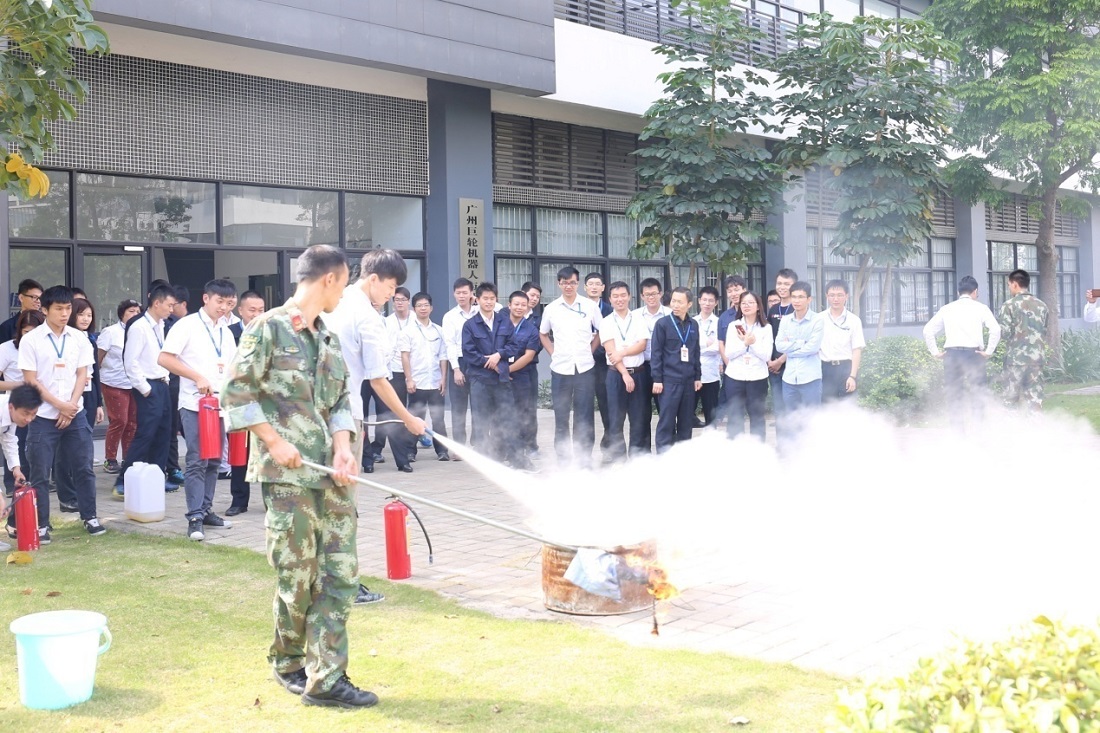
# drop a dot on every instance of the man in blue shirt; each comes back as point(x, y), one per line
point(676, 370)
point(799, 339)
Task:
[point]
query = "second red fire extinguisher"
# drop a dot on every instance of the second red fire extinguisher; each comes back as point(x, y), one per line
point(25, 506)
point(210, 428)
point(398, 561)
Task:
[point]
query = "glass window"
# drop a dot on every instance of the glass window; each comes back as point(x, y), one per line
point(622, 234)
point(943, 253)
point(880, 8)
point(512, 229)
point(391, 222)
point(1068, 282)
point(1027, 257)
point(46, 265)
point(126, 209)
point(573, 233)
point(512, 273)
point(279, 217)
point(45, 218)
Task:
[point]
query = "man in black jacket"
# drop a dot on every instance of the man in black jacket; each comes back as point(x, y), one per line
point(676, 370)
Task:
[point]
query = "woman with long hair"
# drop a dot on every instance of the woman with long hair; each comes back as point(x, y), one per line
point(748, 348)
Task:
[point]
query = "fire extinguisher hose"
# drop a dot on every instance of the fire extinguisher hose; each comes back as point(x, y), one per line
point(446, 508)
point(422, 527)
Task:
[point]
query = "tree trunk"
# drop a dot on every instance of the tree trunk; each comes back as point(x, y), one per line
point(884, 295)
point(1048, 273)
point(860, 284)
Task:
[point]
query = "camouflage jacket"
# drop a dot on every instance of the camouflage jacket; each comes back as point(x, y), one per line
point(296, 380)
point(1023, 319)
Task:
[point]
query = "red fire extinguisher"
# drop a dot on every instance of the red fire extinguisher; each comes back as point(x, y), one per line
point(398, 561)
point(25, 505)
point(238, 448)
point(210, 428)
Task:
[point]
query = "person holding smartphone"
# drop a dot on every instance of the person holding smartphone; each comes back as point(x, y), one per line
point(748, 348)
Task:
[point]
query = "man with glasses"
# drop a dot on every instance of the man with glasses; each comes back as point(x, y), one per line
point(842, 345)
point(30, 299)
point(573, 323)
point(651, 312)
point(799, 340)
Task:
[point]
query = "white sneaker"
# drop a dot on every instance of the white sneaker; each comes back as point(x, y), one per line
point(4, 547)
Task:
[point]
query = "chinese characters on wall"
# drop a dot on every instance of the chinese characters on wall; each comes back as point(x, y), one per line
point(471, 239)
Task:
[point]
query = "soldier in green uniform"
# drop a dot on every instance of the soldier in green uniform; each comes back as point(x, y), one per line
point(1023, 319)
point(288, 385)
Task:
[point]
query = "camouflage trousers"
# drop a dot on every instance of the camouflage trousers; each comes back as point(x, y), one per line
point(311, 545)
point(1023, 385)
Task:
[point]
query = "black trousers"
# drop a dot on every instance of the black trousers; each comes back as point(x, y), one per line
point(401, 440)
point(430, 402)
point(964, 378)
point(601, 370)
point(573, 393)
point(172, 463)
point(645, 382)
point(677, 418)
point(623, 405)
point(745, 397)
point(459, 395)
point(708, 396)
point(525, 393)
point(492, 430)
point(154, 438)
point(397, 381)
point(239, 489)
point(834, 376)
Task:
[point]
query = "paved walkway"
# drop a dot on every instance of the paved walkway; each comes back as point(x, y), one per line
point(485, 568)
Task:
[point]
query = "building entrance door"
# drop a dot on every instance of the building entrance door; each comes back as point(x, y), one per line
point(110, 276)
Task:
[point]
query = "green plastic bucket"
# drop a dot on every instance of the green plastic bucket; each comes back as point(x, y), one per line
point(56, 653)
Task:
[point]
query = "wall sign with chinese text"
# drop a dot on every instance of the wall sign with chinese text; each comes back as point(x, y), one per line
point(471, 239)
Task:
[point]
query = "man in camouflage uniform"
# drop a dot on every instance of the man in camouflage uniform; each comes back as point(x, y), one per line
point(288, 385)
point(1023, 319)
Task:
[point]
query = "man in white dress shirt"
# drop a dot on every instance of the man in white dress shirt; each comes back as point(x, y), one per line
point(457, 388)
point(396, 323)
point(709, 357)
point(650, 312)
point(964, 356)
point(574, 323)
point(624, 338)
point(842, 343)
point(198, 349)
point(57, 359)
point(149, 387)
point(424, 363)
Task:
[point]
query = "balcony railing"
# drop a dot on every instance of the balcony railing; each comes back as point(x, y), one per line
point(657, 21)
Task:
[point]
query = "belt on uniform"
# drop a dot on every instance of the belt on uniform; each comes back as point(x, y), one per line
point(631, 370)
point(837, 363)
point(159, 379)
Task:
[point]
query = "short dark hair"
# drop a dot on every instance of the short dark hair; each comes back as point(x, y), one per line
point(772, 292)
point(836, 284)
point(616, 285)
point(1021, 278)
point(683, 291)
point(249, 295)
point(421, 296)
point(568, 272)
point(25, 397)
point(29, 284)
point(183, 295)
point(161, 292)
point(787, 273)
point(220, 287)
point(57, 294)
point(319, 260)
point(518, 294)
point(157, 282)
point(650, 282)
point(125, 305)
point(529, 285)
point(593, 276)
point(34, 319)
point(385, 264)
point(79, 306)
point(485, 287)
point(462, 282)
point(708, 290)
point(967, 284)
point(403, 291)
point(804, 287)
point(735, 280)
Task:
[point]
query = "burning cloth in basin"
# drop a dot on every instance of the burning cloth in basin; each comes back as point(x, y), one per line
point(600, 572)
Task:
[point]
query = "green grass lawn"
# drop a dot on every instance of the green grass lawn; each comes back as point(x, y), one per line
point(1086, 406)
point(192, 624)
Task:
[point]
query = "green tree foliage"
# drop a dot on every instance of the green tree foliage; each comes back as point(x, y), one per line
point(1028, 86)
point(36, 81)
point(865, 102)
point(701, 180)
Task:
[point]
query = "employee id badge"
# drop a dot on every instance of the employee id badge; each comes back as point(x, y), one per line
point(683, 353)
point(221, 368)
point(59, 365)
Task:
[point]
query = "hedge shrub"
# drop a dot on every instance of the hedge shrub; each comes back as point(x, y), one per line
point(898, 376)
point(1045, 679)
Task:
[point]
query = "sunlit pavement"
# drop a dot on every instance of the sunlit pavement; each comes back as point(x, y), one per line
point(488, 569)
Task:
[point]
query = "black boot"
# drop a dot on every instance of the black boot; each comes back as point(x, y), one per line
point(343, 695)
